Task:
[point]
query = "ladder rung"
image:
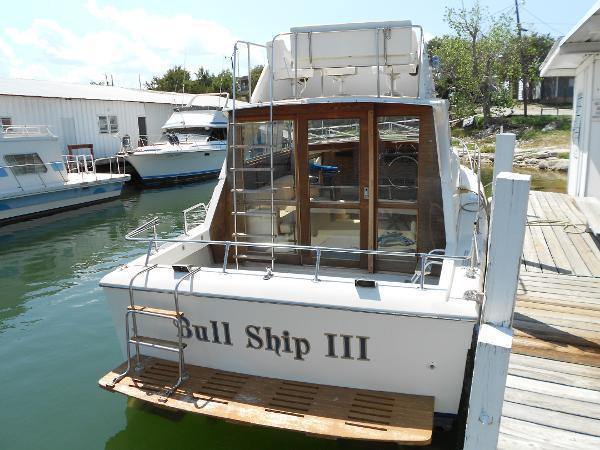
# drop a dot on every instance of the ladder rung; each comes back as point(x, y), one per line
point(246, 235)
point(255, 257)
point(155, 311)
point(253, 213)
point(254, 191)
point(162, 344)
point(250, 169)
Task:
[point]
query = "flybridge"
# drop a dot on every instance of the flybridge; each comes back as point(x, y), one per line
point(373, 58)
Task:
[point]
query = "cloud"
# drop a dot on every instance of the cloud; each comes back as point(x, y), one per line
point(124, 43)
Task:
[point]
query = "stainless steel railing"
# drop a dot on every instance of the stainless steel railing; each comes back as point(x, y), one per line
point(84, 165)
point(198, 210)
point(25, 130)
point(425, 260)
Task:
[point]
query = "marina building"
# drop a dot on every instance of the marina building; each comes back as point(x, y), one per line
point(578, 54)
point(83, 115)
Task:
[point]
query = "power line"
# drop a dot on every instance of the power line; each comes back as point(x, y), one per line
point(545, 23)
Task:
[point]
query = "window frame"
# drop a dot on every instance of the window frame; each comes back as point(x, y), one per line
point(23, 168)
point(108, 118)
point(4, 125)
point(367, 113)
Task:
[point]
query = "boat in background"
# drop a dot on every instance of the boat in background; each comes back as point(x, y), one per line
point(193, 144)
point(36, 179)
point(341, 180)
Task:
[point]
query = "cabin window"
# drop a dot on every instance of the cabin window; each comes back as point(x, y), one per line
point(108, 124)
point(398, 162)
point(5, 122)
point(25, 163)
point(218, 134)
point(333, 154)
point(397, 230)
point(251, 163)
point(335, 227)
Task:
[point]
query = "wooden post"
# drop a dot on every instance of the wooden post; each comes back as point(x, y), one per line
point(505, 152)
point(487, 388)
point(494, 341)
point(507, 231)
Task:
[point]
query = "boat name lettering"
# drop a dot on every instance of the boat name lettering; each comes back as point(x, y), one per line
point(343, 346)
point(299, 347)
point(207, 333)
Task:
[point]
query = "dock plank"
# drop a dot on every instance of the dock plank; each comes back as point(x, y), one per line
point(552, 396)
point(551, 418)
point(557, 251)
point(520, 434)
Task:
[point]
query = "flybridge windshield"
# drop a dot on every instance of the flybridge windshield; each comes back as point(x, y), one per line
point(196, 134)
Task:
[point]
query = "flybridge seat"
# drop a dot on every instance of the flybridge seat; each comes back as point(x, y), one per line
point(346, 60)
point(325, 47)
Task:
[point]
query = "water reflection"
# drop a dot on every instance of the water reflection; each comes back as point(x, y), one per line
point(151, 427)
point(43, 256)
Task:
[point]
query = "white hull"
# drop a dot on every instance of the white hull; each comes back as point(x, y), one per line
point(67, 196)
point(386, 350)
point(170, 164)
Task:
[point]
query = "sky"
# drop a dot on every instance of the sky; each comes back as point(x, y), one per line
point(133, 40)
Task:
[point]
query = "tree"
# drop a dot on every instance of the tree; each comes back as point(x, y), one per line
point(535, 47)
point(255, 74)
point(172, 81)
point(477, 55)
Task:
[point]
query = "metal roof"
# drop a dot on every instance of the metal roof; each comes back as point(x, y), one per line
point(570, 51)
point(56, 89)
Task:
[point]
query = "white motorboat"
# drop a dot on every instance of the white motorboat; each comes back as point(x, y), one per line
point(36, 179)
point(341, 180)
point(193, 144)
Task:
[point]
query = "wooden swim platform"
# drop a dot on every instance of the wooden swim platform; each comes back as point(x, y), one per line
point(324, 411)
point(552, 396)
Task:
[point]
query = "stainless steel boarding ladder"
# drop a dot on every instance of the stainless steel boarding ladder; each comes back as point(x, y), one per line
point(237, 168)
point(240, 204)
point(136, 339)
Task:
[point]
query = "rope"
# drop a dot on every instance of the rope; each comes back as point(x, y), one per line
point(579, 228)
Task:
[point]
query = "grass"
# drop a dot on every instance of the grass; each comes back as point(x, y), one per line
point(529, 131)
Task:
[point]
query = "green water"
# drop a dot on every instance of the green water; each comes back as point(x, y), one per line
point(57, 339)
point(541, 180)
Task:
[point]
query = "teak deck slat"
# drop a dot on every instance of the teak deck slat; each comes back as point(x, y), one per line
point(324, 411)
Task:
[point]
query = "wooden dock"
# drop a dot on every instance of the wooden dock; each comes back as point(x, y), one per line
point(552, 397)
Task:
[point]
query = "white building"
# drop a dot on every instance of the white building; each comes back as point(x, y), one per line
point(87, 114)
point(578, 54)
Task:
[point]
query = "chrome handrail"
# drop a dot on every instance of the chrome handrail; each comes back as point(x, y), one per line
point(424, 258)
point(26, 130)
point(71, 164)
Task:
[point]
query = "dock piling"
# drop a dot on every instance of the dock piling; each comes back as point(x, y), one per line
point(494, 341)
point(505, 152)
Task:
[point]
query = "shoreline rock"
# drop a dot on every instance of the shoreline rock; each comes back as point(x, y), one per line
point(542, 159)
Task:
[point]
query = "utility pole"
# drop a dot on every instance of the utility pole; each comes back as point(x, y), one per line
point(522, 58)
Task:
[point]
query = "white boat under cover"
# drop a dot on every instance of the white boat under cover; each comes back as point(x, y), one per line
point(36, 179)
point(339, 246)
